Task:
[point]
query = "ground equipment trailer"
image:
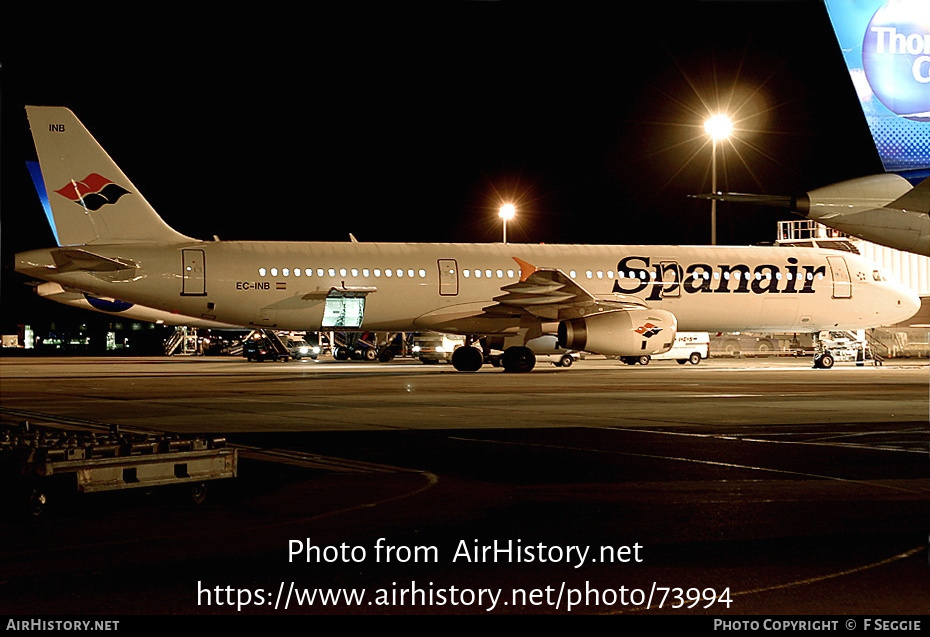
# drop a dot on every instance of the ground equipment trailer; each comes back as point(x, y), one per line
point(41, 462)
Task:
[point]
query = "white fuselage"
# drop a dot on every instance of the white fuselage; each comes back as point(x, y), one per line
point(446, 287)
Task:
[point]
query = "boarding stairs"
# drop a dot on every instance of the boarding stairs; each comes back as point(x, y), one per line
point(183, 341)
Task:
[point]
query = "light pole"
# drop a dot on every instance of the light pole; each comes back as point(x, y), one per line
point(507, 212)
point(718, 127)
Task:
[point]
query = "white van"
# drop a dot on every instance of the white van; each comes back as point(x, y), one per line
point(689, 347)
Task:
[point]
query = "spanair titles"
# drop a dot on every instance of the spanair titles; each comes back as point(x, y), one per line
point(637, 273)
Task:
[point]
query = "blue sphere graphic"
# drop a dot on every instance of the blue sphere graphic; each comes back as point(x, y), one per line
point(896, 57)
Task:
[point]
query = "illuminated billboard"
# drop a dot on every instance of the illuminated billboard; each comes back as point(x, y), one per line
point(886, 45)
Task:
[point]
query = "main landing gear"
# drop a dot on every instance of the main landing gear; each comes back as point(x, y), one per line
point(516, 359)
point(467, 358)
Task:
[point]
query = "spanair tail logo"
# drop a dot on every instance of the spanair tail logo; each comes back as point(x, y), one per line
point(648, 330)
point(93, 192)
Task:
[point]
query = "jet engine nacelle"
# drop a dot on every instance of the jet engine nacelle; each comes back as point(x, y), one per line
point(620, 332)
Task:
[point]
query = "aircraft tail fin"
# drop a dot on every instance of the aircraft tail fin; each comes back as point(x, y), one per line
point(90, 199)
point(883, 44)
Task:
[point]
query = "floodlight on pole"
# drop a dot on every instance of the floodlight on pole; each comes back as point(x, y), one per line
point(718, 127)
point(507, 212)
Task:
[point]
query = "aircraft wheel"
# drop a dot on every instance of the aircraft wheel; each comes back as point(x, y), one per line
point(695, 358)
point(643, 360)
point(467, 359)
point(518, 359)
point(386, 355)
point(37, 502)
point(566, 361)
point(198, 493)
point(340, 353)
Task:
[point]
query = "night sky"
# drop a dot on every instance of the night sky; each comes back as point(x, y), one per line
point(413, 125)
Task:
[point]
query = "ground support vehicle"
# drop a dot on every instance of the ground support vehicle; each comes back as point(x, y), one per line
point(838, 347)
point(688, 347)
point(44, 463)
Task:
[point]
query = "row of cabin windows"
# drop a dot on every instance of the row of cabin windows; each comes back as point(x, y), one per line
point(377, 272)
point(421, 273)
point(365, 272)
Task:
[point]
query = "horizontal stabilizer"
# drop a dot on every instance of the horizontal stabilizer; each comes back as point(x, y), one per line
point(775, 201)
point(916, 200)
point(71, 259)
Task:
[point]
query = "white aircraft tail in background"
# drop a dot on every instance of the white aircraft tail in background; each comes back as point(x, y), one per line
point(886, 46)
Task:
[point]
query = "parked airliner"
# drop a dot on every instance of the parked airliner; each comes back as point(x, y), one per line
point(620, 300)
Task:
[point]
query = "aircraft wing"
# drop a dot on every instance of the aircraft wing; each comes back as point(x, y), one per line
point(550, 294)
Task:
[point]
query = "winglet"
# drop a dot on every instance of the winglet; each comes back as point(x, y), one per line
point(526, 269)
